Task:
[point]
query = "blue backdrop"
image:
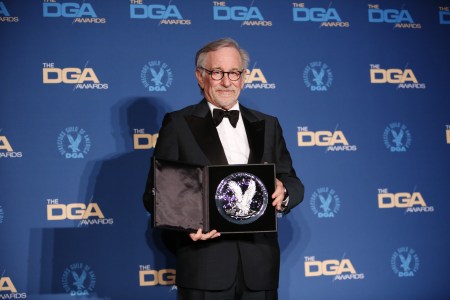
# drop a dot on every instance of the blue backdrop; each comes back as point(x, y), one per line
point(360, 88)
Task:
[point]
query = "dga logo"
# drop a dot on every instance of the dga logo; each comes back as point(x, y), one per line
point(405, 262)
point(2, 215)
point(167, 15)
point(143, 141)
point(83, 79)
point(334, 141)
point(150, 277)
point(325, 203)
point(317, 76)
point(6, 150)
point(78, 280)
point(8, 289)
point(448, 134)
point(5, 16)
point(328, 17)
point(413, 203)
point(73, 142)
point(340, 269)
point(397, 137)
point(400, 18)
point(156, 76)
point(405, 79)
point(80, 13)
point(444, 15)
point(89, 214)
point(255, 79)
point(250, 16)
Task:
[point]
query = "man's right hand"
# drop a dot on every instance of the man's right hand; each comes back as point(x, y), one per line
point(204, 236)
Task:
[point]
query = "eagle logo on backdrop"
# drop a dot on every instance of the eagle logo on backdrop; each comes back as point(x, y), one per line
point(405, 262)
point(318, 76)
point(241, 198)
point(397, 137)
point(78, 280)
point(2, 215)
point(73, 142)
point(156, 76)
point(325, 203)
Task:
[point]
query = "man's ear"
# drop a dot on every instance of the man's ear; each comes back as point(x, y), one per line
point(244, 77)
point(199, 76)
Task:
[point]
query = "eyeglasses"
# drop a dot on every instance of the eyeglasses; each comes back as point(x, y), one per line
point(218, 74)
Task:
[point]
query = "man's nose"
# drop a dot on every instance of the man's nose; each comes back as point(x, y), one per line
point(225, 80)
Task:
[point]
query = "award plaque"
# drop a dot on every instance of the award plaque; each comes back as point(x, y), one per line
point(228, 198)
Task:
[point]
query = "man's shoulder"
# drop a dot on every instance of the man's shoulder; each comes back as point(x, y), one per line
point(187, 110)
point(256, 113)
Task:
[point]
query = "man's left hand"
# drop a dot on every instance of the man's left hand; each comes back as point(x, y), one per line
point(278, 195)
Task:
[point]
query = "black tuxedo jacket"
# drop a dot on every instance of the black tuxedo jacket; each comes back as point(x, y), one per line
point(189, 136)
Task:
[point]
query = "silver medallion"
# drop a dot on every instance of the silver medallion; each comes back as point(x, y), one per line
point(241, 198)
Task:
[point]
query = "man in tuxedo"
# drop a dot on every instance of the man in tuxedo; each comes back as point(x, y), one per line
point(220, 131)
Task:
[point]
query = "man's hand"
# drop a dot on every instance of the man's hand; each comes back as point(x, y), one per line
point(204, 236)
point(278, 195)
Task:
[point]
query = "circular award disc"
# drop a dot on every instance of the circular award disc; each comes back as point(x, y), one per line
point(241, 198)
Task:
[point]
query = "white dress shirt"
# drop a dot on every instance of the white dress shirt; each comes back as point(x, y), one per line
point(234, 140)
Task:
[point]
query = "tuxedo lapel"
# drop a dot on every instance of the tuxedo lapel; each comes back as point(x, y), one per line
point(255, 134)
point(202, 127)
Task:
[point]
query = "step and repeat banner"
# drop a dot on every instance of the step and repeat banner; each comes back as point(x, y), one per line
point(361, 89)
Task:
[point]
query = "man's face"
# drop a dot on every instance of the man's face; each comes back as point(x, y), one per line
point(222, 93)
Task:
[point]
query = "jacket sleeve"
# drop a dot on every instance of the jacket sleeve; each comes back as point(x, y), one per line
point(285, 171)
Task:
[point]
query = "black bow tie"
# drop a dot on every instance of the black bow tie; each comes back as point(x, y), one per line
point(232, 115)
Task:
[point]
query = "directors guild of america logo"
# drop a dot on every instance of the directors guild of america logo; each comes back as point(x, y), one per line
point(78, 280)
point(397, 137)
point(317, 76)
point(325, 203)
point(241, 198)
point(2, 215)
point(156, 76)
point(405, 262)
point(73, 142)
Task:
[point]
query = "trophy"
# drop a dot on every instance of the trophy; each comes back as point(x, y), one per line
point(228, 198)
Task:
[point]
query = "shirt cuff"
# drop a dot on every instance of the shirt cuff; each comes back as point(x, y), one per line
point(285, 202)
